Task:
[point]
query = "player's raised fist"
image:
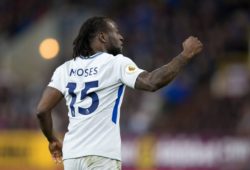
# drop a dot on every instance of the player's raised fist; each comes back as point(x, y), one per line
point(191, 47)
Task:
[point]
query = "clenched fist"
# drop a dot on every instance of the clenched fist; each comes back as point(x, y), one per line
point(191, 47)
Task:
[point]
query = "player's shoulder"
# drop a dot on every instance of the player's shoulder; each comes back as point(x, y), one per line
point(64, 66)
point(120, 56)
point(122, 59)
point(109, 58)
point(106, 56)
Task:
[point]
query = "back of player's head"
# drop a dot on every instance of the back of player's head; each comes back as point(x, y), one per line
point(89, 29)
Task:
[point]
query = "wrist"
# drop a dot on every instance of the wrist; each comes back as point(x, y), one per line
point(183, 58)
point(186, 54)
point(52, 139)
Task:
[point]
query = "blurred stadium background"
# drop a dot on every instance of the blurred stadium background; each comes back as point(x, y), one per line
point(201, 121)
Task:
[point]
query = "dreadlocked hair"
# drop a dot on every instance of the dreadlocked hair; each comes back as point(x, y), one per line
point(89, 29)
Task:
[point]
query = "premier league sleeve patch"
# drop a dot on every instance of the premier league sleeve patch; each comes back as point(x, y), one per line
point(131, 69)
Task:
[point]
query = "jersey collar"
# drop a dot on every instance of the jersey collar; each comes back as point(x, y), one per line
point(92, 56)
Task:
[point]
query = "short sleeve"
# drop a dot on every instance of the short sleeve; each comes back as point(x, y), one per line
point(128, 70)
point(57, 80)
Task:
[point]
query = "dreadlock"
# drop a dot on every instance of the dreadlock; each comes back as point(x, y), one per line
point(89, 29)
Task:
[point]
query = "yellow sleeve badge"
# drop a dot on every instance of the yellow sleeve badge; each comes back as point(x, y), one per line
point(131, 69)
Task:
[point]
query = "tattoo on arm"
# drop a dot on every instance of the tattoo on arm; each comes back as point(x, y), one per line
point(162, 76)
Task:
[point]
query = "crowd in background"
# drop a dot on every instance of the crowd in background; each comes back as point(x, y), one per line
point(18, 15)
point(211, 95)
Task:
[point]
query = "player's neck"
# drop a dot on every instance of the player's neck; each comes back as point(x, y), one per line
point(97, 50)
point(97, 47)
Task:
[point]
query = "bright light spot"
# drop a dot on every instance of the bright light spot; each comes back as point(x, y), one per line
point(49, 48)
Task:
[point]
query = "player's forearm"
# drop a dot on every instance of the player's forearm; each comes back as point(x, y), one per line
point(46, 125)
point(162, 76)
point(165, 74)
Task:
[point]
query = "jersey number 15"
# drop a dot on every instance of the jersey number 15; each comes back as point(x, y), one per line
point(95, 100)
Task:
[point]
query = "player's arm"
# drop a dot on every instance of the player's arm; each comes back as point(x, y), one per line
point(152, 81)
point(49, 100)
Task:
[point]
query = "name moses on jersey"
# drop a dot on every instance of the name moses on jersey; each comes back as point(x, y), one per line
point(84, 72)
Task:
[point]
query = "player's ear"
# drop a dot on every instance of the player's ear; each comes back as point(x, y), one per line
point(103, 37)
